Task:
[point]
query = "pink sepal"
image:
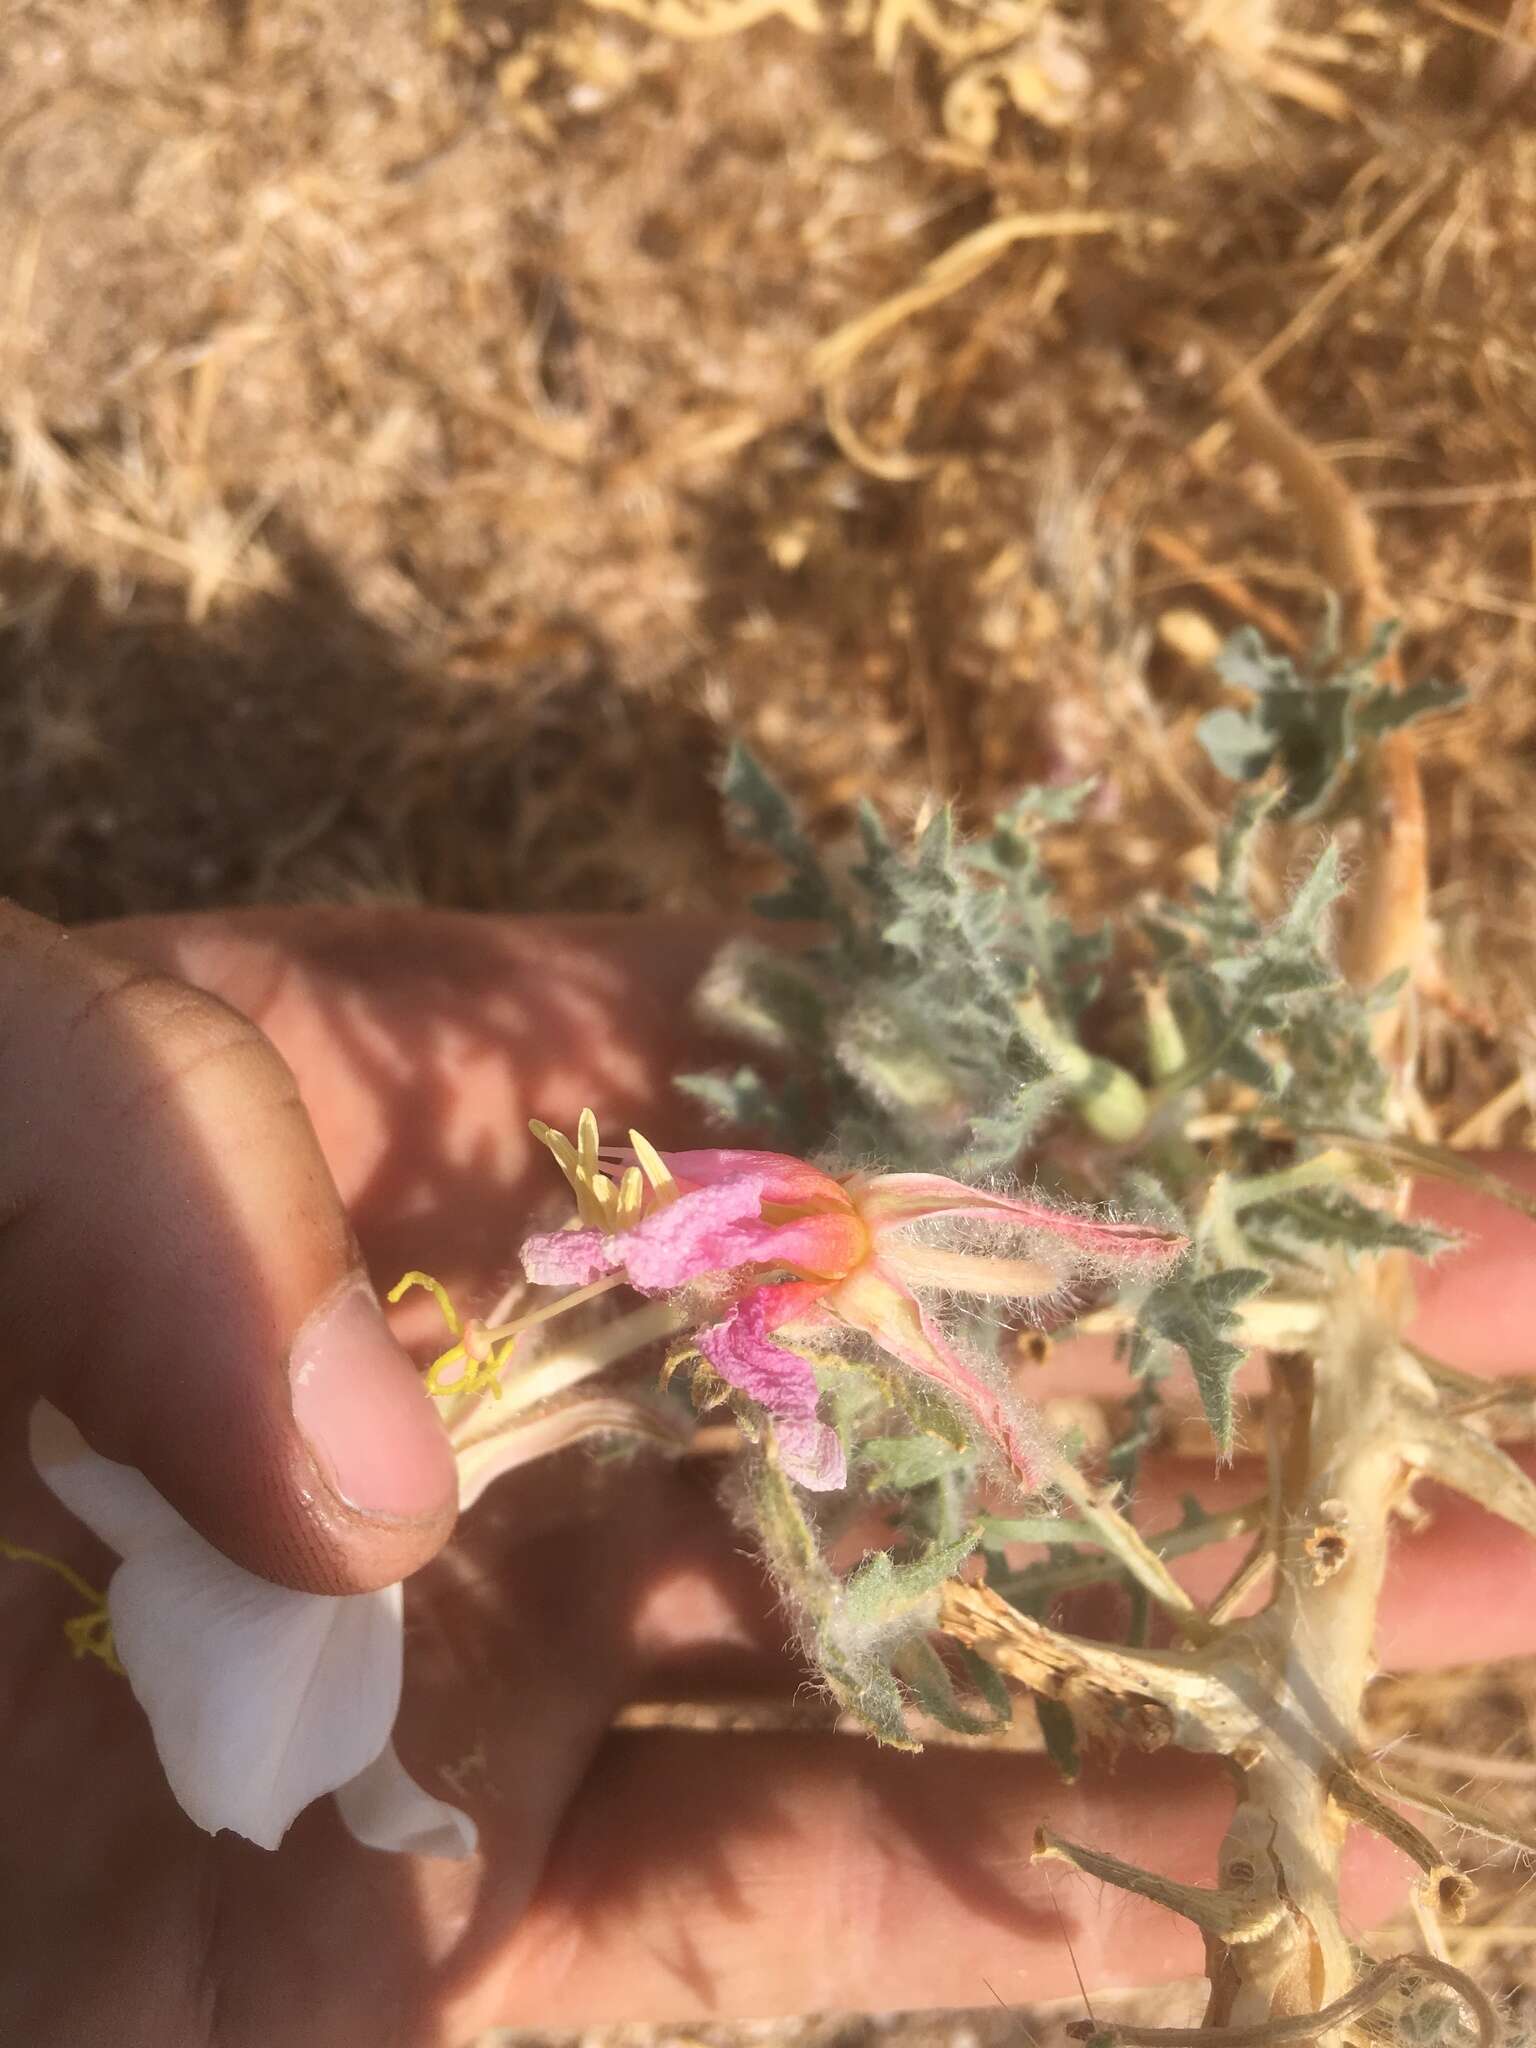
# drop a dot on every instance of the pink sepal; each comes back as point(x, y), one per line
point(889, 1199)
point(877, 1304)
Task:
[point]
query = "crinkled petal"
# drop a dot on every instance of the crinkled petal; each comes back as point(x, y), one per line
point(875, 1302)
point(744, 1354)
point(786, 1182)
point(888, 1200)
point(811, 1453)
point(385, 1808)
point(259, 1698)
point(720, 1228)
point(568, 1258)
point(702, 1232)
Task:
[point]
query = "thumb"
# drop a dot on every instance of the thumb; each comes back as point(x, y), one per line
point(178, 1275)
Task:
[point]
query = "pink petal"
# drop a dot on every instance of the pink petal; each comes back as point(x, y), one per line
point(568, 1258)
point(786, 1182)
point(875, 1302)
point(744, 1354)
point(719, 1228)
point(888, 1200)
point(779, 1380)
point(811, 1454)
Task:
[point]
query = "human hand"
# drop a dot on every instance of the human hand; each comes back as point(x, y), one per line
point(172, 1221)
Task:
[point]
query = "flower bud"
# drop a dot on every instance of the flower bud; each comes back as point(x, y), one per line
point(1109, 1100)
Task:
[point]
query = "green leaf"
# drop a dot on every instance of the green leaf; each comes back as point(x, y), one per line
point(922, 1669)
point(925, 1406)
point(1311, 728)
point(1321, 889)
point(744, 1101)
point(1195, 1313)
point(767, 818)
point(872, 1694)
point(1248, 663)
point(1337, 1220)
point(998, 1139)
point(881, 1589)
point(1387, 709)
point(1238, 743)
point(763, 996)
point(899, 1463)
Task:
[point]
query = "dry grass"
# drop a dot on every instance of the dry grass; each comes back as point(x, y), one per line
point(426, 430)
point(422, 442)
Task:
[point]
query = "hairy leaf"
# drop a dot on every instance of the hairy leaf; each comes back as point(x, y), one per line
point(1312, 729)
point(1195, 1313)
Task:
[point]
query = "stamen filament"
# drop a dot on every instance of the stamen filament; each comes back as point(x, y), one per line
point(549, 1309)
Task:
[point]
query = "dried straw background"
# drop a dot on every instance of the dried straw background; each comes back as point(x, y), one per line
point(428, 429)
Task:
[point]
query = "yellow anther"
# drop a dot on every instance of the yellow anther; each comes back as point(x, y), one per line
point(90, 1635)
point(574, 1164)
point(565, 1156)
point(600, 1204)
point(587, 1145)
point(631, 1195)
point(479, 1365)
point(653, 1166)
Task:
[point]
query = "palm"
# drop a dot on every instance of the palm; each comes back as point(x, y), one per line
point(620, 1874)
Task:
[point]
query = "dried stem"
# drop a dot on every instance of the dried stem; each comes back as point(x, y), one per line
point(1280, 1694)
point(1305, 2026)
point(1126, 1543)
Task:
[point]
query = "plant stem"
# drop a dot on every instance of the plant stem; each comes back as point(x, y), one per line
point(1126, 1543)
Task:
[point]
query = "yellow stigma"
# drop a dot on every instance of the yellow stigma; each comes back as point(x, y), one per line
point(601, 1202)
point(88, 1634)
point(476, 1358)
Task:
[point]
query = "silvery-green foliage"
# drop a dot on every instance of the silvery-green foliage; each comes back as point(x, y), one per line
point(902, 1006)
point(929, 1017)
point(869, 1634)
point(1309, 727)
point(1193, 1312)
point(1332, 1220)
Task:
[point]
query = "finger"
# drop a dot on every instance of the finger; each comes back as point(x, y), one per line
point(178, 1275)
point(729, 1875)
point(1476, 1307)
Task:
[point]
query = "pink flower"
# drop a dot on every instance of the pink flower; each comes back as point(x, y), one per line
point(794, 1255)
